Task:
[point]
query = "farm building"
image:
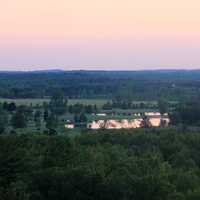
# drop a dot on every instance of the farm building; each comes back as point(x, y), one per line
point(127, 119)
point(155, 119)
point(69, 124)
point(115, 124)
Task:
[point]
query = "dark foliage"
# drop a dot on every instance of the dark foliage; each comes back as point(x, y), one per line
point(125, 164)
point(138, 85)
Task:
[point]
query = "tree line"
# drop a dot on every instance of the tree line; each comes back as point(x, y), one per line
point(138, 85)
point(138, 164)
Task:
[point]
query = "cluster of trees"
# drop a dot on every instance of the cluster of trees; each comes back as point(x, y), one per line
point(125, 164)
point(138, 85)
point(80, 120)
point(20, 116)
point(127, 104)
point(187, 114)
point(13, 116)
point(44, 116)
point(58, 106)
point(80, 108)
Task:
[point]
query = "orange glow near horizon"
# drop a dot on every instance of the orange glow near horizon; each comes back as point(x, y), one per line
point(94, 24)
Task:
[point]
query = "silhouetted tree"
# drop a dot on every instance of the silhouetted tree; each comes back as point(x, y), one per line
point(58, 103)
point(19, 120)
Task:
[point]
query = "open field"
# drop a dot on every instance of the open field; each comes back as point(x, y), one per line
point(37, 101)
point(115, 117)
point(98, 102)
point(34, 102)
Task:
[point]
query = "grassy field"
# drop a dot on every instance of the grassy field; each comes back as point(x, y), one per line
point(116, 117)
point(98, 102)
point(25, 101)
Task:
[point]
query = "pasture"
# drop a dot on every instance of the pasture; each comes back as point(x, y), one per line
point(35, 102)
point(40, 101)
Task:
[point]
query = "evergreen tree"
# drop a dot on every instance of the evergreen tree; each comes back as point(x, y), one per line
point(52, 121)
point(80, 120)
point(58, 104)
point(46, 115)
point(37, 119)
point(11, 107)
point(83, 118)
point(76, 118)
point(5, 105)
point(19, 120)
point(163, 106)
point(3, 120)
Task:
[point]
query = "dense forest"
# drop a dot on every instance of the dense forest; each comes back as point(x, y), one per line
point(138, 85)
point(157, 164)
point(40, 159)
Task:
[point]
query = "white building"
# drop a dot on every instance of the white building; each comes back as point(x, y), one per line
point(116, 124)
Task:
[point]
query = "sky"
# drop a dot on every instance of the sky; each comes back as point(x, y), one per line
point(99, 34)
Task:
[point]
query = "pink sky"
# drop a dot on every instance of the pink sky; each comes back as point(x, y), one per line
point(94, 34)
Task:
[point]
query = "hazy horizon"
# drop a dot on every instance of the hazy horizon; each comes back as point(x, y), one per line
point(91, 34)
point(25, 69)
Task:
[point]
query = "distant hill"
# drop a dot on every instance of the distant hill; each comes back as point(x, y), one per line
point(136, 85)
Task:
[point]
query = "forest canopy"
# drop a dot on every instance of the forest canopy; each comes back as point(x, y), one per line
point(138, 85)
point(125, 164)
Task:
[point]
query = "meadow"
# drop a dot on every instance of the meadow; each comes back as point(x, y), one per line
point(38, 101)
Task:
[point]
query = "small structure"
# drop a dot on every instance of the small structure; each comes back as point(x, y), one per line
point(155, 119)
point(115, 124)
point(69, 124)
point(165, 121)
point(148, 114)
point(101, 114)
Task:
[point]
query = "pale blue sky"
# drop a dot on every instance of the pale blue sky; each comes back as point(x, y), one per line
point(93, 34)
